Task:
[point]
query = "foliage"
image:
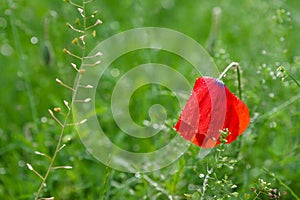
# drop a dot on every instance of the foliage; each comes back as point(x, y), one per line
point(260, 35)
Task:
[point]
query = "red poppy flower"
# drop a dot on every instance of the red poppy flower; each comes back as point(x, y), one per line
point(211, 108)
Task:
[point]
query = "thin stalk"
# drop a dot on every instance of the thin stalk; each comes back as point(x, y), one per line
point(65, 123)
point(257, 195)
point(22, 64)
point(237, 65)
point(204, 185)
point(54, 156)
point(106, 185)
point(214, 30)
point(156, 186)
point(282, 72)
point(59, 142)
point(282, 183)
point(293, 78)
point(84, 30)
point(276, 109)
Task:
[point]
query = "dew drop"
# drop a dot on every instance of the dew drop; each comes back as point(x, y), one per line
point(2, 171)
point(21, 163)
point(19, 74)
point(136, 147)
point(272, 74)
point(272, 95)
point(131, 191)
point(255, 115)
point(34, 40)
point(155, 126)
point(146, 123)
point(222, 51)
point(191, 187)
point(44, 120)
point(6, 50)
point(53, 13)
point(273, 124)
point(167, 4)
point(115, 72)
point(296, 59)
point(3, 23)
point(137, 175)
point(115, 25)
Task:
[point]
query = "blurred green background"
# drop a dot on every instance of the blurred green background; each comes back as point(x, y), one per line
point(260, 35)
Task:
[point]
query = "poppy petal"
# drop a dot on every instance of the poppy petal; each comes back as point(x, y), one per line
point(211, 108)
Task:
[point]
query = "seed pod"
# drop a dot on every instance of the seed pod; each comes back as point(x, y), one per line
point(47, 54)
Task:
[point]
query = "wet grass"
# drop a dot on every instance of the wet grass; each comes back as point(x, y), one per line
point(260, 35)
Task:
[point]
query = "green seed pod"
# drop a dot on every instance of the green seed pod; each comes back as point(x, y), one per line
point(47, 54)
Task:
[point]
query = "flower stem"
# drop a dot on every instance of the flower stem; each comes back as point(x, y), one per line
point(237, 65)
point(293, 78)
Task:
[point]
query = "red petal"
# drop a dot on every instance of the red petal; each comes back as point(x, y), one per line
point(210, 108)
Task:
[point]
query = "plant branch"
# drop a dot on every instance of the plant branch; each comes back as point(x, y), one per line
point(22, 64)
point(282, 183)
point(282, 71)
point(65, 123)
point(237, 65)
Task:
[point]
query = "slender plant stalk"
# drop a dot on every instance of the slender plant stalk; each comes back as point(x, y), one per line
point(214, 30)
point(237, 65)
point(106, 186)
point(282, 183)
point(276, 109)
point(156, 187)
point(210, 171)
point(257, 195)
point(282, 71)
point(293, 78)
point(205, 182)
point(22, 64)
point(59, 142)
point(64, 124)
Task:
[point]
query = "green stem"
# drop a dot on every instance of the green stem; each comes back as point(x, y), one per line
point(59, 142)
point(293, 78)
point(282, 183)
point(53, 157)
point(214, 29)
point(257, 195)
point(65, 123)
point(237, 65)
point(24, 70)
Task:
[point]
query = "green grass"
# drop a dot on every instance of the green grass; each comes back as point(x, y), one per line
point(260, 35)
